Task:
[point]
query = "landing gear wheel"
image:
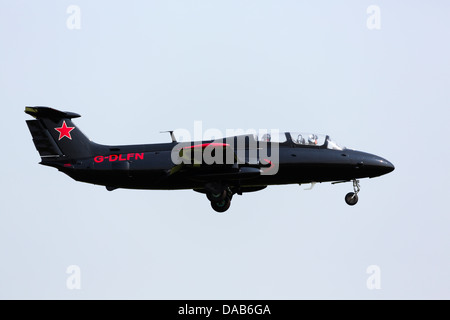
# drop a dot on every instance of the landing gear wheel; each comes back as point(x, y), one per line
point(221, 206)
point(351, 198)
point(216, 197)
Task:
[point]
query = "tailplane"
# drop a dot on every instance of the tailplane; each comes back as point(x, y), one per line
point(56, 136)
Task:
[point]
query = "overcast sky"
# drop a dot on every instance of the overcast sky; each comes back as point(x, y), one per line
point(135, 68)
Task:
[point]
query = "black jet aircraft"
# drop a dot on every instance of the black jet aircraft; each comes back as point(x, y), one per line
point(248, 162)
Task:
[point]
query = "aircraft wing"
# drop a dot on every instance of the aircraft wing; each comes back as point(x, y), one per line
point(215, 161)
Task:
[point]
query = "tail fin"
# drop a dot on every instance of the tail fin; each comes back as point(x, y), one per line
point(55, 135)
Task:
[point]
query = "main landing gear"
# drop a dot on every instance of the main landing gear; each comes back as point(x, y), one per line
point(220, 198)
point(351, 198)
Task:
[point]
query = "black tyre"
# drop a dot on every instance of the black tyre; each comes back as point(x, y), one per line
point(216, 197)
point(351, 198)
point(221, 206)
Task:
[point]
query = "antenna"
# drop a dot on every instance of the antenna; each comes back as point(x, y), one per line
point(171, 135)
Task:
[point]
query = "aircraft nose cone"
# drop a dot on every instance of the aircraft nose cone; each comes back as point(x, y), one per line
point(385, 165)
point(379, 165)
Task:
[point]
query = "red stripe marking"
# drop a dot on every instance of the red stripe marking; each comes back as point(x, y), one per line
point(204, 145)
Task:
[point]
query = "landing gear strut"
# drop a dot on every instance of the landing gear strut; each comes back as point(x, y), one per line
point(351, 198)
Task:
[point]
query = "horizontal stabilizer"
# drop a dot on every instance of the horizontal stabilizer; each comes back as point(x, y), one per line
point(50, 113)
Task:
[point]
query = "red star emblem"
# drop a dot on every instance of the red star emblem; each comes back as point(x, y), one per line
point(64, 131)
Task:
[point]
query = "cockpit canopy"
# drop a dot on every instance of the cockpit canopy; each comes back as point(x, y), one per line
point(302, 139)
point(314, 140)
point(308, 139)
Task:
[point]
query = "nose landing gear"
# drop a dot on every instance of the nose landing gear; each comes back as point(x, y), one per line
point(351, 198)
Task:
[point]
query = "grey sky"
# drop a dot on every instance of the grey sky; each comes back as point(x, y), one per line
point(139, 67)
